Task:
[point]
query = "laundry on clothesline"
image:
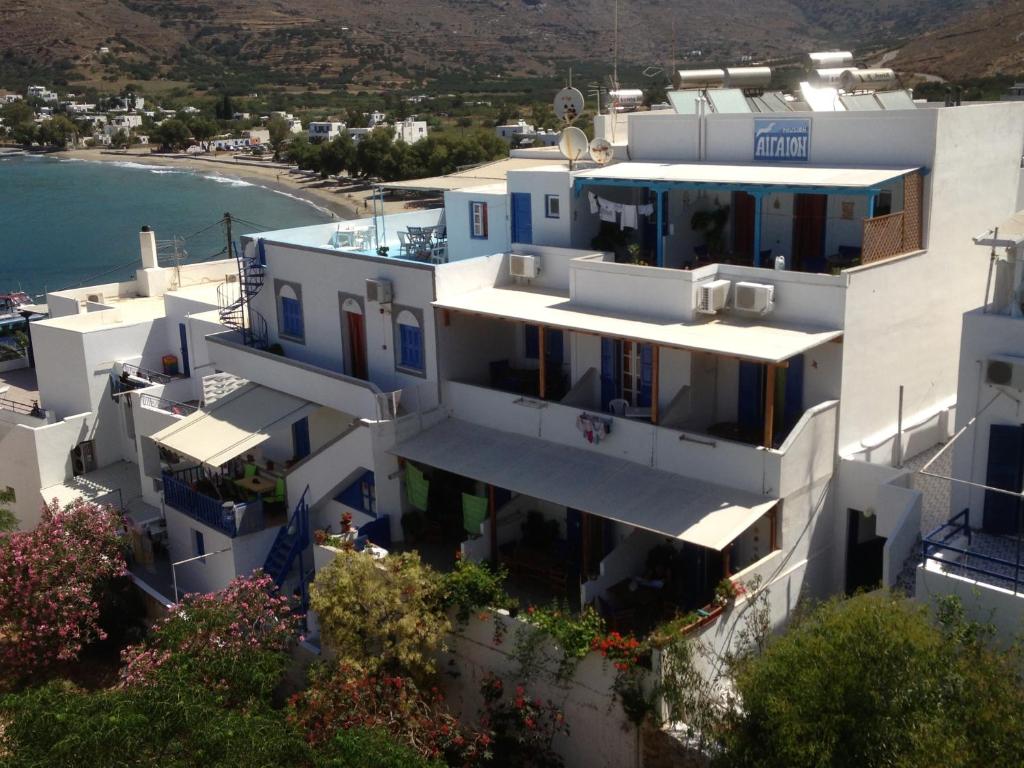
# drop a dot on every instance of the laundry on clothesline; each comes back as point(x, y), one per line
point(629, 217)
point(610, 211)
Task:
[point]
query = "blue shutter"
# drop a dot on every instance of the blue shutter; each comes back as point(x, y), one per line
point(300, 438)
point(554, 346)
point(646, 375)
point(291, 317)
point(411, 347)
point(750, 402)
point(794, 404)
point(531, 341)
point(183, 338)
point(261, 250)
point(200, 544)
point(522, 218)
point(1005, 458)
point(610, 361)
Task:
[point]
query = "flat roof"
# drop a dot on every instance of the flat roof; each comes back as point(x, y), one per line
point(129, 310)
point(478, 176)
point(767, 175)
point(681, 508)
point(749, 340)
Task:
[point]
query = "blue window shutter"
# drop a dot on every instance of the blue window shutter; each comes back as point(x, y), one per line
point(300, 438)
point(610, 360)
point(261, 251)
point(522, 218)
point(646, 375)
point(750, 402)
point(291, 317)
point(554, 346)
point(411, 347)
point(1005, 459)
point(200, 544)
point(531, 341)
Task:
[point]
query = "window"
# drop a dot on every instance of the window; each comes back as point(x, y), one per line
point(552, 206)
point(883, 205)
point(290, 319)
point(409, 342)
point(478, 221)
point(199, 544)
point(531, 341)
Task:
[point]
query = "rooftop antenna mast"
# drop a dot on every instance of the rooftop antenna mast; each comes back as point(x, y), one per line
point(615, 49)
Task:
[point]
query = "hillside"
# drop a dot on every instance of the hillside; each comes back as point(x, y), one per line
point(980, 44)
point(416, 41)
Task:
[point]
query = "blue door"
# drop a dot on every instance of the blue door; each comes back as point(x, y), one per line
point(183, 336)
point(646, 375)
point(793, 407)
point(611, 360)
point(750, 405)
point(300, 438)
point(554, 349)
point(522, 218)
point(1005, 460)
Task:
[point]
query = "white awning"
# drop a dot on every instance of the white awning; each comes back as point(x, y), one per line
point(236, 423)
point(1009, 234)
point(757, 342)
point(478, 176)
point(765, 175)
point(679, 507)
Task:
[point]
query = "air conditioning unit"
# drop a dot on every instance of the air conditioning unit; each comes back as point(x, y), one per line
point(756, 298)
point(712, 295)
point(1005, 372)
point(379, 290)
point(95, 298)
point(231, 278)
point(523, 265)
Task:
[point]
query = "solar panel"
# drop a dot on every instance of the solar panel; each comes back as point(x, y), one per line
point(821, 99)
point(860, 102)
point(895, 100)
point(728, 101)
point(774, 103)
point(684, 102)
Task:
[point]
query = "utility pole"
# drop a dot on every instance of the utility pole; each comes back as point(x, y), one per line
point(227, 229)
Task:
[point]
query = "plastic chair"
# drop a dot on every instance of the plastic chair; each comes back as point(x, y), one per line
point(249, 472)
point(278, 496)
point(617, 407)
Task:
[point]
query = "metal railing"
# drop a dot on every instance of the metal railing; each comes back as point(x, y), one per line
point(151, 376)
point(22, 408)
point(199, 506)
point(937, 542)
point(167, 406)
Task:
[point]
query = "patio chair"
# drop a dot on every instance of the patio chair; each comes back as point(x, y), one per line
point(766, 257)
point(617, 407)
point(278, 496)
point(403, 242)
point(249, 471)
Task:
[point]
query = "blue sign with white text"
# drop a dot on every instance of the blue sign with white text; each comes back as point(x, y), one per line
point(782, 141)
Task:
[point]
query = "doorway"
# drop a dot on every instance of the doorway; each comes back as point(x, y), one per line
point(355, 340)
point(1005, 470)
point(810, 213)
point(743, 227)
point(864, 552)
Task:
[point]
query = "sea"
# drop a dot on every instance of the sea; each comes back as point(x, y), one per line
point(66, 223)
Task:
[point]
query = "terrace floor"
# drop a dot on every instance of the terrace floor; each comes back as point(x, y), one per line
point(983, 546)
point(23, 387)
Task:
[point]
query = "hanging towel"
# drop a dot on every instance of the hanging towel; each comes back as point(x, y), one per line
point(646, 210)
point(474, 512)
point(417, 487)
point(629, 217)
point(608, 210)
point(593, 202)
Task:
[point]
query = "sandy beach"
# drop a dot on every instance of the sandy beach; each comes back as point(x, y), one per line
point(342, 200)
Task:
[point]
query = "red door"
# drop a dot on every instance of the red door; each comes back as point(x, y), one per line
point(809, 215)
point(356, 345)
point(743, 227)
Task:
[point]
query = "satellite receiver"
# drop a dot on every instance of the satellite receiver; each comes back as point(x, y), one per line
point(573, 145)
point(568, 104)
point(601, 151)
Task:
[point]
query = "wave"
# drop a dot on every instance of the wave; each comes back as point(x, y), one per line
point(227, 180)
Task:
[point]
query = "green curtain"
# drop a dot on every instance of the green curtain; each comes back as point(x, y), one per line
point(474, 512)
point(417, 487)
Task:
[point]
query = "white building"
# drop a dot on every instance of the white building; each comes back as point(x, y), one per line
point(410, 131)
point(41, 92)
point(510, 131)
point(325, 131)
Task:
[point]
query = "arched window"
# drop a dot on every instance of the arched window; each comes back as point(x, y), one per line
point(410, 342)
point(351, 305)
point(291, 325)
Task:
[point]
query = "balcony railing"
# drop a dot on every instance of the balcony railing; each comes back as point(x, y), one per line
point(153, 377)
point(198, 506)
point(167, 406)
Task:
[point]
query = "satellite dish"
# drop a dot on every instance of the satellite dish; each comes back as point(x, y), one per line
point(601, 151)
point(573, 144)
point(568, 104)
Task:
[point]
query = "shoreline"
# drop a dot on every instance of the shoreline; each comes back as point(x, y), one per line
point(341, 201)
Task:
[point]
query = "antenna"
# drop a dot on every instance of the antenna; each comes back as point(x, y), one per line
point(601, 151)
point(573, 145)
point(615, 50)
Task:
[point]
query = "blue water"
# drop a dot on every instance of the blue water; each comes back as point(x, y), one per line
point(68, 223)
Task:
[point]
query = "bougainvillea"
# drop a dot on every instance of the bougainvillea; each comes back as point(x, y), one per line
point(524, 728)
point(52, 581)
point(233, 641)
point(345, 698)
point(622, 650)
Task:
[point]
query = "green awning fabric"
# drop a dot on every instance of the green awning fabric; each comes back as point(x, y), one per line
point(417, 487)
point(474, 512)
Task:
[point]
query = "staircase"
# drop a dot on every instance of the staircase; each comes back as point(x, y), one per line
point(288, 547)
point(239, 314)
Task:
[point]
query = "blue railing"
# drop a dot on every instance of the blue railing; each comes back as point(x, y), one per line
point(198, 506)
point(959, 525)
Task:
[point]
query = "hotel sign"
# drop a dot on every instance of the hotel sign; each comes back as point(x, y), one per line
point(782, 141)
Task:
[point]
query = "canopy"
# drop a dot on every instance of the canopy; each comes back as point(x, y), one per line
point(1009, 234)
point(478, 176)
point(746, 340)
point(234, 424)
point(753, 175)
point(679, 507)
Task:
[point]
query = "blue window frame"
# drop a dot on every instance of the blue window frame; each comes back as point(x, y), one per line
point(300, 438)
point(478, 220)
point(552, 206)
point(291, 318)
point(410, 348)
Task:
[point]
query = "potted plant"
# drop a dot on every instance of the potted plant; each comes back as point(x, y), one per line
point(710, 222)
point(726, 592)
point(320, 536)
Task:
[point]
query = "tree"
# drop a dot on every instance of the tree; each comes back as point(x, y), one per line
point(172, 134)
point(202, 130)
point(871, 681)
point(225, 110)
point(280, 132)
point(19, 119)
point(381, 615)
point(57, 131)
point(120, 140)
point(52, 583)
point(304, 153)
point(337, 155)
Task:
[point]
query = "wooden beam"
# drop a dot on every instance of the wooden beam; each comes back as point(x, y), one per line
point(769, 405)
point(773, 520)
point(493, 511)
point(655, 364)
point(542, 352)
point(726, 571)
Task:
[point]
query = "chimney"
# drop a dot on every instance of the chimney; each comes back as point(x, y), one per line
point(147, 244)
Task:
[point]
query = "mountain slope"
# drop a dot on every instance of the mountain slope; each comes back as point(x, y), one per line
point(352, 41)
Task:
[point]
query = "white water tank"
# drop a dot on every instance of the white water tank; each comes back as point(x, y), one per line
point(748, 77)
point(699, 78)
point(868, 80)
point(830, 59)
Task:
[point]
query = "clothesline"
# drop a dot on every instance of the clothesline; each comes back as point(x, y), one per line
point(611, 212)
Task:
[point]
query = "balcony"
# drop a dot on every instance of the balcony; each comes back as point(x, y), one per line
point(230, 519)
point(362, 399)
